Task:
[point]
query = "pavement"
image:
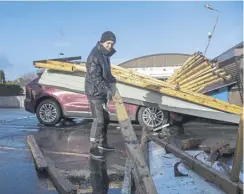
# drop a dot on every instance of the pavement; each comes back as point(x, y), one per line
point(67, 145)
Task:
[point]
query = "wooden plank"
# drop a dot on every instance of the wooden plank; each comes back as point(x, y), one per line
point(64, 59)
point(219, 179)
point(140, 169)
point(61, 183)
point(36, 153)
point(188, 63)
point(139, 188)
point(127, 183)
point(222, 76)
point(238, 157)
point(144, 143)
point(197, 75)
point(198, 79)
point(192, 71)
point(206, 82)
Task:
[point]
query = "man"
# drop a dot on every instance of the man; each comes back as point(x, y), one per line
point(98, 90)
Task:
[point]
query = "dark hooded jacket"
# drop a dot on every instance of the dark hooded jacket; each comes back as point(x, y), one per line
point(98, 73)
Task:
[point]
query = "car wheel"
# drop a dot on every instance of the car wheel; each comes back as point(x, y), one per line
point(49, 112)
point(152, 117)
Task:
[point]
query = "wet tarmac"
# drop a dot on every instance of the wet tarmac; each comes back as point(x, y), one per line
point(17, 170)
point(67, 145)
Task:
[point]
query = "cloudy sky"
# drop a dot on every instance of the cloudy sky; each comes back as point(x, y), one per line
point(40, 30)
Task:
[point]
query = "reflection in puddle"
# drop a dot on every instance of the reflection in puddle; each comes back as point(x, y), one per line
point(99, 176)
point(99, 179)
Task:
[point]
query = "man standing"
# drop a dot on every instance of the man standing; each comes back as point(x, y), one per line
point(98, 90)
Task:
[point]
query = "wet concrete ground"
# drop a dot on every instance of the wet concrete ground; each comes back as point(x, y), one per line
point(67, 145)
point(17, 171)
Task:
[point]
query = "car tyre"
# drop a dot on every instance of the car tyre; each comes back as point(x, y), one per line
point(146, 117)
point(48, 112)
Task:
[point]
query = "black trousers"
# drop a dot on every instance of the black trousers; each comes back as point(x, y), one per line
point(101, 120)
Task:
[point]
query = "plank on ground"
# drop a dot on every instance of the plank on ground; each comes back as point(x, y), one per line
point(36, 153)
point(61, 183)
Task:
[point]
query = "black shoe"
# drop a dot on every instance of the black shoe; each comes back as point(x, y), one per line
point(95, 153)
point(106, 147)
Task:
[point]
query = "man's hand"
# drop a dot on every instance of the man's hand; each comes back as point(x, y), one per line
point(109, 95)
point(113, 79)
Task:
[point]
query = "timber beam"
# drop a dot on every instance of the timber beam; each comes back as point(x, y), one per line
point(140, 170)
point(238, 157)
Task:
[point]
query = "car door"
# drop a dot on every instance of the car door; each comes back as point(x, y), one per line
point(130, 108)
point(75, 104)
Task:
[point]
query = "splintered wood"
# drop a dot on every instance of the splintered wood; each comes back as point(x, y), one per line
point(191, 143)
point(197, 73)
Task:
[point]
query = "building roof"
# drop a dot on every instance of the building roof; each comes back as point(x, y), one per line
point(156, 60)
point(232, 63)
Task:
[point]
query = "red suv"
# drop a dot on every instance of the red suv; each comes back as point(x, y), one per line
point(51, 104)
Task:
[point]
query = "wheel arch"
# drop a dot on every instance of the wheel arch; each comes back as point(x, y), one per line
point(137, 112)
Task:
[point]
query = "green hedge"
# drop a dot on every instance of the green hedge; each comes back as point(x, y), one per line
point(10, 90)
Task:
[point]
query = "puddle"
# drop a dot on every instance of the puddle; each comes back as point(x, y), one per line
point(16, 143)
point(114, 191)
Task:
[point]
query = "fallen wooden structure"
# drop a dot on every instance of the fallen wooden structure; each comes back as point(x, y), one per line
point(223, 182)
point(164, 95)
point(142, 90)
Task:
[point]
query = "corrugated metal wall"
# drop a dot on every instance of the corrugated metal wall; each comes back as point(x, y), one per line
point(235, 96)
point(232, 62)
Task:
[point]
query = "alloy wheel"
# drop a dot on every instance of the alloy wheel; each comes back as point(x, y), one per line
point(152, 117)
point(48, 113)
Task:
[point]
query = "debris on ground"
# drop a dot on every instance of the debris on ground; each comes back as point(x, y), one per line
point(191, 143)
point(222, 148)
